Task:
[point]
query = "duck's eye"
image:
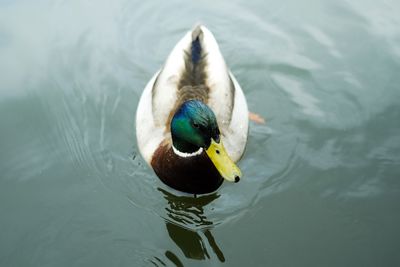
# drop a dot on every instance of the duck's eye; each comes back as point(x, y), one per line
point(196, 125)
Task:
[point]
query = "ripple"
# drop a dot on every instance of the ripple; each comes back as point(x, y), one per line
point(383, 21)
point(307, 102)
point(323, 39)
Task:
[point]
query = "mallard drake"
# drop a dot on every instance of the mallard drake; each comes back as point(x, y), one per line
point(192, 117)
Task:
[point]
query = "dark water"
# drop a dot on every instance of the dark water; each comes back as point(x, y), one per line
point(321, 179)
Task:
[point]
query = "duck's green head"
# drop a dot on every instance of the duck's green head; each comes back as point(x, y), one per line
point(194, 127)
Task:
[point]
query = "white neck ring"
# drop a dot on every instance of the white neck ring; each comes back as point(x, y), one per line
point(187, 155)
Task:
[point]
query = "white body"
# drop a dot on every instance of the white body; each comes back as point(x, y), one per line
point(151, 122)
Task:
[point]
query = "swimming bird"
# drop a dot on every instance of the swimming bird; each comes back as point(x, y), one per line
point(192, 117)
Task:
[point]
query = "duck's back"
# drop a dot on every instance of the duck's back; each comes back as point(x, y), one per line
point(195, 69)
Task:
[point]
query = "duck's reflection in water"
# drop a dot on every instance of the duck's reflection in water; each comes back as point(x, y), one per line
point(189, 228)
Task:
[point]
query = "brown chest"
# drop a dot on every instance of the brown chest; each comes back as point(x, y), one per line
point(196, 174)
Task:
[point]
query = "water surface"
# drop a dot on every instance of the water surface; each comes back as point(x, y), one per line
point(321, 178)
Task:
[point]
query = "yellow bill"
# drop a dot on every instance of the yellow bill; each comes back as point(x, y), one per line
point(225, 166)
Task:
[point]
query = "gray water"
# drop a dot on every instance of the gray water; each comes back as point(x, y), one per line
point(321, 178)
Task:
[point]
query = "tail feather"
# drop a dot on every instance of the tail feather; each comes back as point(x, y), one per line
point(194, 74)
point(196, 49)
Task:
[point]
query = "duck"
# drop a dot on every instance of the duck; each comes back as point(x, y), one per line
point(192, 118)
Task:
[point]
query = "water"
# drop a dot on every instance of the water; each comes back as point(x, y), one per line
point(321, 178)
